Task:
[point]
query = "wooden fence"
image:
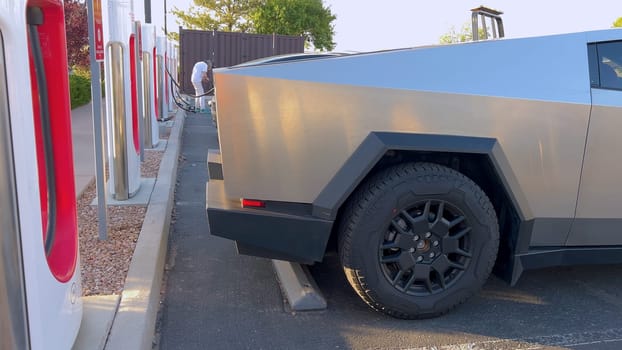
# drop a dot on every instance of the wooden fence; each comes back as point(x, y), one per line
point(227, 49)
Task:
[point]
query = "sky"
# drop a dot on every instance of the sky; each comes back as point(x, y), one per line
point(368, 25)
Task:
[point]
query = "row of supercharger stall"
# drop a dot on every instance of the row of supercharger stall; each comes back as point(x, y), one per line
point(40, 287)
point(137, 68)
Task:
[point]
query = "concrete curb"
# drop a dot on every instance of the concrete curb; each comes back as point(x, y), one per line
point(97, 318)
point(81, 190)
point(134, 324)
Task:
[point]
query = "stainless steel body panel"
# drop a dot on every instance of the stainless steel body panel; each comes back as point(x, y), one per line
point(530, 68)
point(600, 194)
point(285, 140)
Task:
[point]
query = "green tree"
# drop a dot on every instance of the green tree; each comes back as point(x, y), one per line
point(464, 35)
point(173, 36)
point(223, 15)
point(618, 22)
point(309, 18)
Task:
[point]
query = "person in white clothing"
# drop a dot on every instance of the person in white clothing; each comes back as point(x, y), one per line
point(199, 75)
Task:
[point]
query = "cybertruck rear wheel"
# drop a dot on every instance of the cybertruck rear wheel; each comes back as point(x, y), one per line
point(418, 239)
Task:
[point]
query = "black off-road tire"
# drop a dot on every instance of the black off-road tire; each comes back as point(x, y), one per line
point(383, 232)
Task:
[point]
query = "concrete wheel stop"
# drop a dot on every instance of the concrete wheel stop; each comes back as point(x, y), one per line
point(298, 286)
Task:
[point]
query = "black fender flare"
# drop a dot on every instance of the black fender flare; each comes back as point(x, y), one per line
point(326, 205)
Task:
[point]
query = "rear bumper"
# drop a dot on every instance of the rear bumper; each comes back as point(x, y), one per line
point(287, 232)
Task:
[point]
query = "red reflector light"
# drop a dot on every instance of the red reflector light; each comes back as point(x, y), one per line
point(252, 203)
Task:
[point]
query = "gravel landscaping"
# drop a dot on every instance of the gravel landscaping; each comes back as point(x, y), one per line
point(105, 264)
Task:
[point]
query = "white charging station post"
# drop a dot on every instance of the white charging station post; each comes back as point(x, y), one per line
point(162, 78)
point(151, 133)
point(171, 54)
point(40, 282)
point(123, 148)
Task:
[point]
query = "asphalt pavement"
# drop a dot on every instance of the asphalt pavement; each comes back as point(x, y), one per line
point(215, 299)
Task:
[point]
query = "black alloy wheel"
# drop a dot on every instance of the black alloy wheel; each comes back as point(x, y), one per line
point(418, 239)
point(426, 248)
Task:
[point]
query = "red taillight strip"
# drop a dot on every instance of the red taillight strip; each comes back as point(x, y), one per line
point(252, 203)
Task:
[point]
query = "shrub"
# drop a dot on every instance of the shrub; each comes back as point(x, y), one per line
point(80, 90)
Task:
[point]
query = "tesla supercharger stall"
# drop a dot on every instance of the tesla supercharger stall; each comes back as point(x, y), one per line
point(170, 75)
point(162, 94)
point(176, 70)
point(138, 113)
point(40, 303)
point(150, 123)
point(121, 101)
point(174, 73)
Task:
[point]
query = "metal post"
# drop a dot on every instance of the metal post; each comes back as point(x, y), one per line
point(98, 128)
point(500, 27)
point(493, 23)
point(165, 29)
point(474, 26)
point(161, 81)
point(147, 11)
point(119, 130)
point(484, 26)
point(147, 132)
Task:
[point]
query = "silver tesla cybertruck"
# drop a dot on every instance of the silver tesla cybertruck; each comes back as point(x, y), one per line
point(426, 167)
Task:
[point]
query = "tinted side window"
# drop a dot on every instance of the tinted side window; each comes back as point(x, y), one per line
point(610, 65)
